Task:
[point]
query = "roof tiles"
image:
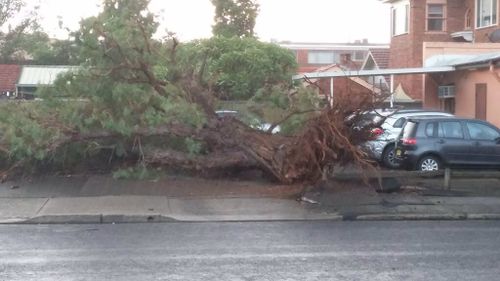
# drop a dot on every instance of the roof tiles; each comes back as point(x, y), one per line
point(381, 57)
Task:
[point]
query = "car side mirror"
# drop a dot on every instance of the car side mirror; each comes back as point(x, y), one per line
point(497, 140)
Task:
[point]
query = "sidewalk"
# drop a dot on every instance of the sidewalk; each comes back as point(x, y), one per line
point(101, 199)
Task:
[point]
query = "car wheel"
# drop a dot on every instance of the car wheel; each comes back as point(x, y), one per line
point(429, 163)
point(389, 157)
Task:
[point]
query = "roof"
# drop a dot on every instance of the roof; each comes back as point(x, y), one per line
point(461, 60)
point(9, 73)
point(34, 75)
point(381, 57)
point(341, 68)
point(440, 118)
point(377, 72)
point(332, 46)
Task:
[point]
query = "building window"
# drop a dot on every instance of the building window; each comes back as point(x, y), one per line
point(321, 57)
point(359, 55)
point(435, 17)
point(400, 18)
point(486, 13)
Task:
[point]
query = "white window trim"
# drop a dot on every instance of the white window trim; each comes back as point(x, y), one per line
point(476, 11)
point(408, 17)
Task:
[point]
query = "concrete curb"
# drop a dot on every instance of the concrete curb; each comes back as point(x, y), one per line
point(148, 218)
point(138, 218)
point(375, 217)
point(92, 219)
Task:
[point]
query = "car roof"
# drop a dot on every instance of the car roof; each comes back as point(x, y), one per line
point(398, 113)
point(443, 118)
point(422, 112)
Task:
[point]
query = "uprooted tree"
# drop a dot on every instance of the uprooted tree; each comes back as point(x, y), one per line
point(154, 102)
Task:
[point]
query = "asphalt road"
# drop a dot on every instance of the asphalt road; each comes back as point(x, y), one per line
point(452, 250)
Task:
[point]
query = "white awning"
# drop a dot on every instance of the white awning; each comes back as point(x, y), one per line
point(33, 75)
point(375, 72)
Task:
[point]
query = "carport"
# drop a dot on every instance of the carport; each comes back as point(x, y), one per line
point(391, 72)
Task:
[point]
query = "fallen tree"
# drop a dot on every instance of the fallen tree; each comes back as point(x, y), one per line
point(156, 101)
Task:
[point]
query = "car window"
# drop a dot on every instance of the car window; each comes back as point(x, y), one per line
point(450, 129)
point(478, 131)
point(399, 123)
point(430, 128)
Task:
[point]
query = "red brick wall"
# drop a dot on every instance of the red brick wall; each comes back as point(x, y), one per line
point(431, 100)
point(407, 49)
point(302, 57)
point(342, 86)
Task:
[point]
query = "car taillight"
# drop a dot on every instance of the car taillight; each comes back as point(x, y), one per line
point(409, 141)
point(377, 132)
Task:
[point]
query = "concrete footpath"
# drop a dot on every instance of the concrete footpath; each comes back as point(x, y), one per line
point(101, 199)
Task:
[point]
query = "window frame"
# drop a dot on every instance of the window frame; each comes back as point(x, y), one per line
point(477, 17)
point(405, 6)
point(316, 61)
point(442, 17)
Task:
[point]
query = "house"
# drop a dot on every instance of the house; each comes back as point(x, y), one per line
point(461, 35)
point(377, 58)
point(329, 88)
point(9, 74)
point(414, 22)
point(473, 88)
point(34, 76)
point(311, 56)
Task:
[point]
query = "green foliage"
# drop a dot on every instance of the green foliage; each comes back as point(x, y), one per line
point(22, 130)
point(9, 8)
point(193, 147)
point(234, 18)
point(127, 80)
point(17, 41)
point(274, 106)
point(239, 67)
point(139, 172)
point(27, 41)
point(53, 52)
point(102, 93)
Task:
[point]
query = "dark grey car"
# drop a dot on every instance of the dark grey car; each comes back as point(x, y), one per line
point(429, 144)
point(381, 148)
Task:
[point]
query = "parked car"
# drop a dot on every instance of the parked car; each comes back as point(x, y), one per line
point(429, 144)
point(381, 148)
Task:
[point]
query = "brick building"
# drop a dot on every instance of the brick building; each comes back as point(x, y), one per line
point(9, 73)
point(353, 86)
point(414, 22)
point(311, 56)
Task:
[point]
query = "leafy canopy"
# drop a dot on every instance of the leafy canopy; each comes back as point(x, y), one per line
point(234, 18)
point(128, 80)
point(237, 68)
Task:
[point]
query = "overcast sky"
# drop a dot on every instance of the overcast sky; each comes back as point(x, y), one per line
point(332, 21)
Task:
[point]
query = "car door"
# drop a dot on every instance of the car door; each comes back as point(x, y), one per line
point(452, 144)
point(485, 149)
